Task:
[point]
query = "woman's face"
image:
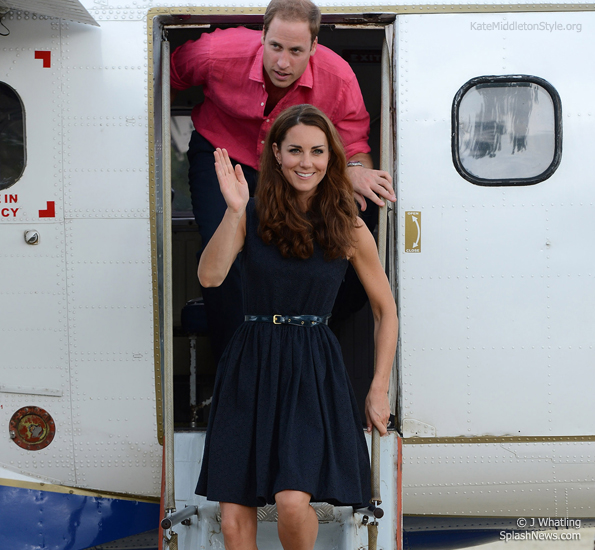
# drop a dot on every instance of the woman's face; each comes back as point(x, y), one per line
point(303, 156)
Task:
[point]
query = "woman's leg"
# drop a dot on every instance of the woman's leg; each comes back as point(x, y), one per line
point(298, 524)
point(238, 525)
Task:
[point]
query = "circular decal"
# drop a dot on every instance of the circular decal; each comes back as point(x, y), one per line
point(32, 428)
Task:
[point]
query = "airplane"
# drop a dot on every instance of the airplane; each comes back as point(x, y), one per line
point(482, 112)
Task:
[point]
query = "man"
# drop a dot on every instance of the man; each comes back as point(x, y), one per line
point(248, 78)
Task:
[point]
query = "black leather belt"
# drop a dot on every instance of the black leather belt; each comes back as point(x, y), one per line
point(298, 320)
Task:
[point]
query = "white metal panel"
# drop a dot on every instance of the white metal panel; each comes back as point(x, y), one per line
point(106, 70)
point(111, 348)
point(543, 479)
point(33, 301)
point(55, 463)
point(496, 310)
point(109, 258)
point(9, 474)
point(104, 10)
point(67, 9)
point(105, 122)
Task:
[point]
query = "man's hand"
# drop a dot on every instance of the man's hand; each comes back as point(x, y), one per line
point(368, 183)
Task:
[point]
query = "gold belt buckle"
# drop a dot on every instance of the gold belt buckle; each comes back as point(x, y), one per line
point(275, 320)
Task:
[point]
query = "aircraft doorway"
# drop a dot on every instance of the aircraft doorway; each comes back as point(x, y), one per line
point(361, 45)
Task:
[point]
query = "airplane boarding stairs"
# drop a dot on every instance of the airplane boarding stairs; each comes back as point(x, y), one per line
point(339, 527)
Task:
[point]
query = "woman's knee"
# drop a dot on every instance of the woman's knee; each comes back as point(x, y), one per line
point(238, 523)
point(231, 527)
point(293, 506)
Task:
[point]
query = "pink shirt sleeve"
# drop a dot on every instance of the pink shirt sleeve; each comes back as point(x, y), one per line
point(190, 63)
point(352, 119)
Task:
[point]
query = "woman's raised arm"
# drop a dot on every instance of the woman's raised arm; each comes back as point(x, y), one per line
point(369, 270)
point(228, 240)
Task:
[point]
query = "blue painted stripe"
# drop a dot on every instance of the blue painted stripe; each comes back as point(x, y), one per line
point(36, 520)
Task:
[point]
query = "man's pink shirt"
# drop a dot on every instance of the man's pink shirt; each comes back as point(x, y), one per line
point(228, 64)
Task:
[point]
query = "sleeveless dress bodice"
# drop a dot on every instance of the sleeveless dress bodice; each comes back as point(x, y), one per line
point(283, 414)
point(288, 286)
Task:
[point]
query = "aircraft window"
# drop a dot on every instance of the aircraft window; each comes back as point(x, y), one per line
point(12, 136)
point(507, 130)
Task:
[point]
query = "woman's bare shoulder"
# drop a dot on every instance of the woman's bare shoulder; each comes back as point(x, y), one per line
point(362, 238)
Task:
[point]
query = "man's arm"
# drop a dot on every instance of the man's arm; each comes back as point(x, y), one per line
point(353, 124)
point(369, 183)
point(189, 63)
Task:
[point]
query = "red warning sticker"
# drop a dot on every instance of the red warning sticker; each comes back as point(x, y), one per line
point(50, 210)
point(45, 56)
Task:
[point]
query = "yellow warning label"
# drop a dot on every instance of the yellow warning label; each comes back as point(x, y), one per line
point(412, 231)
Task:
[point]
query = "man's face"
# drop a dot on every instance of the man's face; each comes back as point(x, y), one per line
point(287, 49)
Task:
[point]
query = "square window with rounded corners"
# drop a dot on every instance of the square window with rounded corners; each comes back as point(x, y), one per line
point(506, 130)
point(12, 136)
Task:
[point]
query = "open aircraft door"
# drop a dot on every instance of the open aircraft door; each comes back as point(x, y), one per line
point(387, 233)
point(32, 190)
point(495, 288)
point(340, 527)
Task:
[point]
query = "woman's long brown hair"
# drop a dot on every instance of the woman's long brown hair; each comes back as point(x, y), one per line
point(332, 213)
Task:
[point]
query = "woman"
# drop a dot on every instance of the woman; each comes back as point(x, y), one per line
point(284, 425)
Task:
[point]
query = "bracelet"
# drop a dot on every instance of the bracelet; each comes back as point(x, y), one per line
point(354, 163)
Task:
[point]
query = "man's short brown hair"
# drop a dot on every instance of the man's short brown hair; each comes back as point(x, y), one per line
point(294, 10)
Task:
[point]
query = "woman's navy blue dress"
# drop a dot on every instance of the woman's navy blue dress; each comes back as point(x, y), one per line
point(283, 414)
